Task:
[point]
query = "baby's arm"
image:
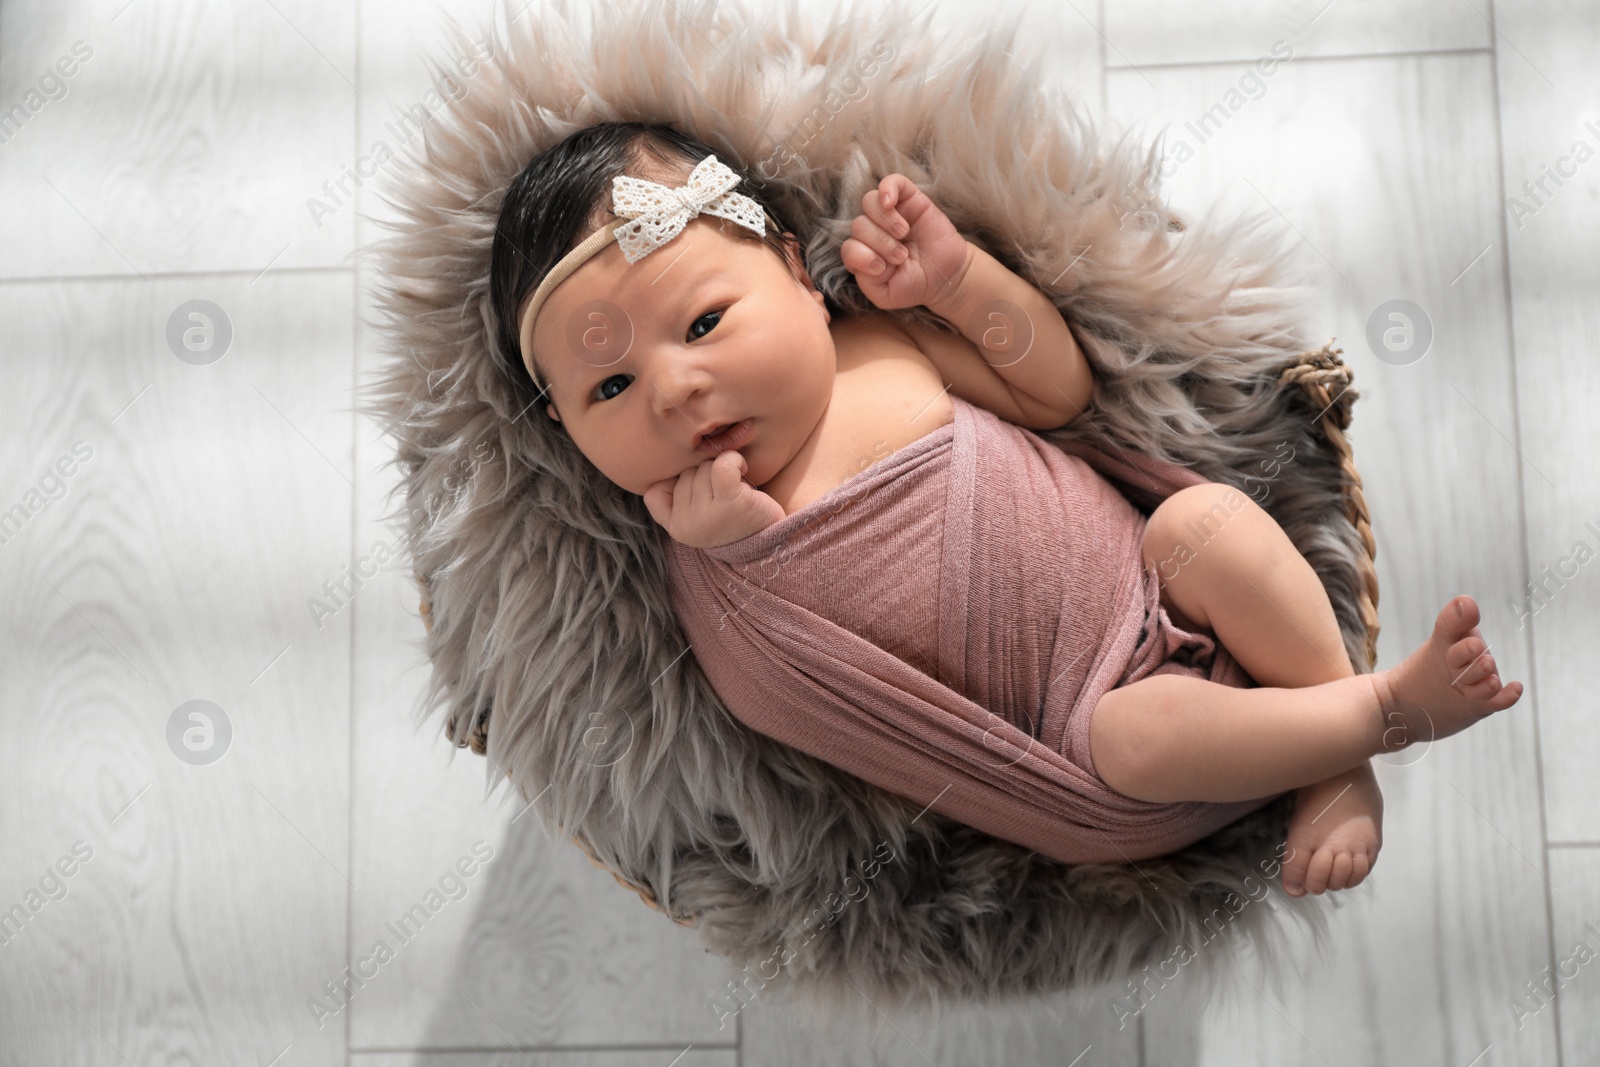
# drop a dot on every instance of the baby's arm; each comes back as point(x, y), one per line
point(711, 505)
point(1014, 352)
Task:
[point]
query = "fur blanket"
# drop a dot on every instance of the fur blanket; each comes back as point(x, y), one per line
point(551, 626)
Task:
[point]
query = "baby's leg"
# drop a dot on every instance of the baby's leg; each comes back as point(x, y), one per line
point(1174, 737)
point(1337, 827)
point(1227, 565)
point(1232, 567)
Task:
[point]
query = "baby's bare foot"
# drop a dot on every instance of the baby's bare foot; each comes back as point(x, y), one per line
point(1335, 834)
point(1445, 686)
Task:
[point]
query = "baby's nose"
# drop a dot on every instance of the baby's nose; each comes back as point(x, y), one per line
point(673, 391)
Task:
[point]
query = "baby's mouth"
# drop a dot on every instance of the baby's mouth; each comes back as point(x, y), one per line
point(728, 436)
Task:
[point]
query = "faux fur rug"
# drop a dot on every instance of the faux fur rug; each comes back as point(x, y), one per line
point(551, 623)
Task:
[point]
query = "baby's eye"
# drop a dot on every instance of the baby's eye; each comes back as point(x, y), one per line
point(600, 390)
point(710, 314)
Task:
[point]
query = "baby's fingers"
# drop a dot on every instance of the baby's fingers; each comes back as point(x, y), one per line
point(894, 204)
point(658, 499)
point(859, 258)
point(873, 236)
point(727, 474)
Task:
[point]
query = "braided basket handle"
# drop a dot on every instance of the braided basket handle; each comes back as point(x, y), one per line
point(1326, 380)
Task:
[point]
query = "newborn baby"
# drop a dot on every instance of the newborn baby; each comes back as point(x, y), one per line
point(697, 365)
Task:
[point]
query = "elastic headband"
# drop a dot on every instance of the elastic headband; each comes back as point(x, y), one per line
point(649, 215)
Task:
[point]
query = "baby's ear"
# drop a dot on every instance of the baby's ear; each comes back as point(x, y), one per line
point(797, 263)
point(822, 302)
point(791, 251)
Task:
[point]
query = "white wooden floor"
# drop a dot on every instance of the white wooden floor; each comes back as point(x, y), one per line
point(166, 525)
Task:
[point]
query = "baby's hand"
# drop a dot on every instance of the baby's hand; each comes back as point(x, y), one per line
point(711, 505)
point(903, 251)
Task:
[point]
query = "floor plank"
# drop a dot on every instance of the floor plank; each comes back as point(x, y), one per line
point(1054, 1030)
point(1567, 986)
point(191, 136)
point(1145, 32)
point(641, 1057)
point(1386, 169)
point(1550, 222)
point(174, 568)
point(1551, 225)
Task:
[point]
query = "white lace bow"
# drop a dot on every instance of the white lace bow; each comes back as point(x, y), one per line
point(658, 213)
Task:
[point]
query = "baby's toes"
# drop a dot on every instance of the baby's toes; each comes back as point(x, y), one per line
point(1360, 867)
point(1483, 688)
point(1470, 662)
point(1294, 870)
point(1317, 873)
point(1481, 670)
point(1463, 652)
point(1339, 876)
point(1507, 696)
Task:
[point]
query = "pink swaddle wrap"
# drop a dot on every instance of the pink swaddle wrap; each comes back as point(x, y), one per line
point(943, 623)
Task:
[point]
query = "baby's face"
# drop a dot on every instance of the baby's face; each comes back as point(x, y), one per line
point(704, 331)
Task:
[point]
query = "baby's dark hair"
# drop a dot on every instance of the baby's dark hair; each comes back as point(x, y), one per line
point(564, 194)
